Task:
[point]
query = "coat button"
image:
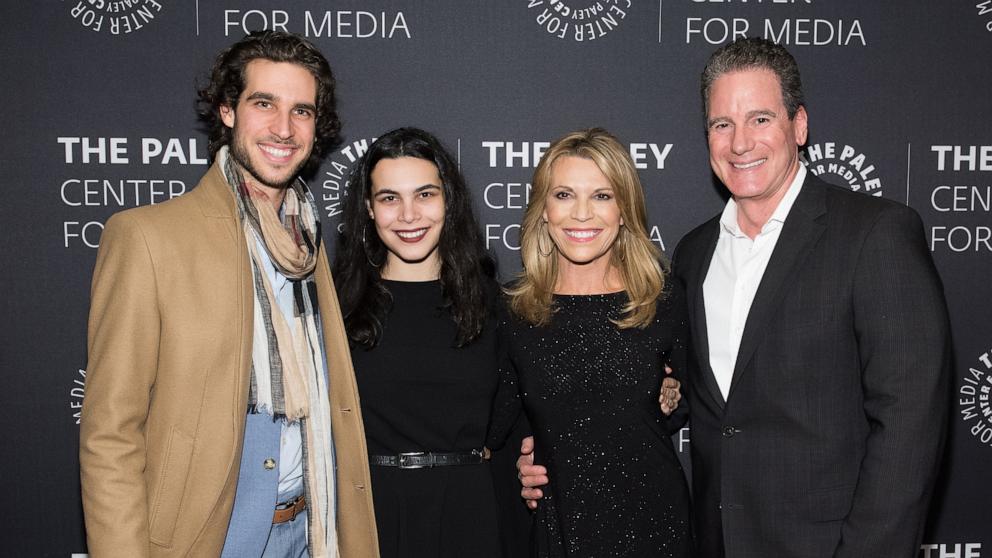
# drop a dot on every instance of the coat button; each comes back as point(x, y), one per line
point(269, 464)
point(729, 431)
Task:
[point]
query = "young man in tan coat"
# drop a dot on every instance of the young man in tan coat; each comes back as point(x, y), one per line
point(221, 414)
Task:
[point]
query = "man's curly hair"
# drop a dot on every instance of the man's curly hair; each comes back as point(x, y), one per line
point(227, 82)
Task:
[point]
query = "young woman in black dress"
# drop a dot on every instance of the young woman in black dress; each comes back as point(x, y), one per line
point(418, 295)
point(592, 322)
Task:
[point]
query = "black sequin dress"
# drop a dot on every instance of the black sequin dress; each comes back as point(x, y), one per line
point(590, 391)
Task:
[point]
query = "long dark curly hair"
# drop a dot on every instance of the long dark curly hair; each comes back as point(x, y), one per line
point(227, 82)
point(467, 269)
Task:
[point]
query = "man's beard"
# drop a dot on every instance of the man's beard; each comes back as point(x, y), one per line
point(241, 157)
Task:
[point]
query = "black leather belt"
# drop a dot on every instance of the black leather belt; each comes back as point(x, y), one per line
point(422, 459)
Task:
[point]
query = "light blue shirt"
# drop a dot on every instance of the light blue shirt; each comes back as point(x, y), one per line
point(291, 442)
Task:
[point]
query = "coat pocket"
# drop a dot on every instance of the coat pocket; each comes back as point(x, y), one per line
point(171, 485)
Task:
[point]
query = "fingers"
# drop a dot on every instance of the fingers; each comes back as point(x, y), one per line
point(527, 445)
point(670, 395)
point(668, 369)
point(525, 460)
point(531, 496)
point(526, 453)
point(533, 476)
point(668, 406)
point(671, 388)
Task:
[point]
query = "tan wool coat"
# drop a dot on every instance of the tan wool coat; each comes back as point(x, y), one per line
point(170, 340)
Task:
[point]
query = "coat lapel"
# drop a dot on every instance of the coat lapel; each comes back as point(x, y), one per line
point(217, 200)
point(802, 228)
point(695, 274)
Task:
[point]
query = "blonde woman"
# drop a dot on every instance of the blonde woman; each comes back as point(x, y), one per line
point(590, 324)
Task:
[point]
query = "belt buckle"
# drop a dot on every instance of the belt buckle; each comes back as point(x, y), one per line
point(288, 504)
point(482, 453)
point(403, 460)
point(296, 507)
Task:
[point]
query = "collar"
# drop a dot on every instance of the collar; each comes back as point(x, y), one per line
point(728, 219)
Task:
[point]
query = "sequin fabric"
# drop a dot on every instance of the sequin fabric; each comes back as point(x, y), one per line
point(590, 391)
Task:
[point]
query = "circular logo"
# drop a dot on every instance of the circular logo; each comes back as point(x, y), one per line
point(842, 164)
point(76, 393)
point(579, 20)
point(973, 399)
point(330, 186)
point(117, 17)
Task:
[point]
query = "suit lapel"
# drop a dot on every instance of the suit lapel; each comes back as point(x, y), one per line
point(695, 273)
point(802, 228)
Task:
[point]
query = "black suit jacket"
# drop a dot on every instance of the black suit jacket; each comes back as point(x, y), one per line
point(830, 439)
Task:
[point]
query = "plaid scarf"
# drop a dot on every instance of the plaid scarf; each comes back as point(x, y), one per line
point(287, 376)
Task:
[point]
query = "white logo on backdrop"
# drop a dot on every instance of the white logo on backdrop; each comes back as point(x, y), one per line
point(341, 24)
point(117, 17)
point(951, 550)
point(842, 164)
point(76, 393)
point(967, 204)
point(579, 20)
point(330, 186)
point(973, 399)
point(985, 11)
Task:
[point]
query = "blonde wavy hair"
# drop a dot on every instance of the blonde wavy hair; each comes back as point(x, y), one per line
point(633, 254)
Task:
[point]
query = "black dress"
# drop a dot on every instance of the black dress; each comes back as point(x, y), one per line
point(420, 393)
point(590, 391)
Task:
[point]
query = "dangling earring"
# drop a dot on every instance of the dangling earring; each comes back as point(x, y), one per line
point(365, 247)
point(543, 234)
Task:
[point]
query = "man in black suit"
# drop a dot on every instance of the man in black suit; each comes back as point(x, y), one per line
point(818, 391)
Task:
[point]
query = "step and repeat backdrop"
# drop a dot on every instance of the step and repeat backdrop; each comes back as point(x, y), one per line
point(98, 104)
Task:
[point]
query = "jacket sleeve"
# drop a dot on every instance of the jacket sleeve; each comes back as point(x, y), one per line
point(902, 330)
point(679, 357)
point(506, 404)
point(123, 345)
